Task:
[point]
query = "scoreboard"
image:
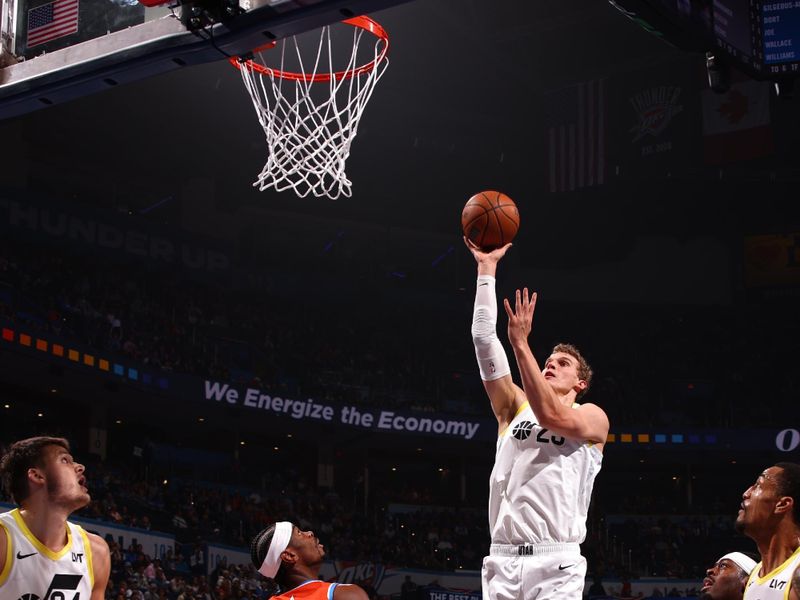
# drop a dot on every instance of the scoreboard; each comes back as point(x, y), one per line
point(761, 37)
point(779, 35)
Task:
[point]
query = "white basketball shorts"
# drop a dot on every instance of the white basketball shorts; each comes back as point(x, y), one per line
point(533, 572)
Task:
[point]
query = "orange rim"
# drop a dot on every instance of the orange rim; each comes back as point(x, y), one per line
point(363, 22)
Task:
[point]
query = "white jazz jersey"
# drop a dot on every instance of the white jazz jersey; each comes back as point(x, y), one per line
point(541, 484)
point(775, 585)
point(34, 571)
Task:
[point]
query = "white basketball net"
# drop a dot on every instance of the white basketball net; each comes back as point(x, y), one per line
point(309, 125)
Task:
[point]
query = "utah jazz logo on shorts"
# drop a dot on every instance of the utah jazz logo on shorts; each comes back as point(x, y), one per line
point(60, 588)
point(522, 430)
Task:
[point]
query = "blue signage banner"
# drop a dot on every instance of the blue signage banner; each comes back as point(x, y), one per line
point(432, 424)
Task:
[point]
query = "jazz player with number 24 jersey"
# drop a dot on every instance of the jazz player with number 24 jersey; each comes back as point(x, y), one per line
point(42, 555)
point(549, 451)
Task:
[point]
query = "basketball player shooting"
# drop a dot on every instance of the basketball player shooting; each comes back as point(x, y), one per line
point(42, 555)
point(549, 451)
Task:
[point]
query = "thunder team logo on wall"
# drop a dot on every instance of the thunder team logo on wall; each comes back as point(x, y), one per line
point(366, 572)
point(655, 107)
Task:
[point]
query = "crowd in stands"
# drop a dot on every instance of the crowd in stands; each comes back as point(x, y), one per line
point(326, 351)
point(137, 576)
point(427, 537)
point(410, 520)
point(669, 546)
point(672, 365)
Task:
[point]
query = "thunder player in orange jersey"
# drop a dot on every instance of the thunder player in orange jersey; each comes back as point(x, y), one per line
point(549, 451)
point(292, 559)
point(42, 555)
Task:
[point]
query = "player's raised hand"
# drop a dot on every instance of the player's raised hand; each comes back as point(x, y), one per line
point(482, 256)
point(520, 319)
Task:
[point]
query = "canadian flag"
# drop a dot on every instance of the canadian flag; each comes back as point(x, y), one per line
point(736, 124)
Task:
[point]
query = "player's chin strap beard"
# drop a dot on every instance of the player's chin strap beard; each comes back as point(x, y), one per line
point(279, 543)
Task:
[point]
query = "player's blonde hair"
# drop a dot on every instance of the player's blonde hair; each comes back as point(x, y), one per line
point(584, 370)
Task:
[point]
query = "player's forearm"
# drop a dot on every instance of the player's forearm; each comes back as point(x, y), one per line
point(487, 267)
point(492, 360)
point(543, 400)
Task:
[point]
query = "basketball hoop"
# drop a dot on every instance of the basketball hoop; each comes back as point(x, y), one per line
point(310, 115)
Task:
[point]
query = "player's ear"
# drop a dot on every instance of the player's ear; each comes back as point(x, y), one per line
point(35, 476)
point(289, 556)
point(581, 385)
point(784, 504)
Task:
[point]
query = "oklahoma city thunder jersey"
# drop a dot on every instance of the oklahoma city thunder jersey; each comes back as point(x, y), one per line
point(310, 590)
point(775, 585)
point(541, 484)
point(34, 571)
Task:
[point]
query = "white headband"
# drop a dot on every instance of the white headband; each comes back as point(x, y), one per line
point(279, 543)
point(744, 562)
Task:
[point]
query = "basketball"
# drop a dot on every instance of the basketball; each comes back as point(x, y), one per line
point(490, 219)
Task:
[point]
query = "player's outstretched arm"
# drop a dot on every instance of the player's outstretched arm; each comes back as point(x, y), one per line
point(101, 565)
point(349, 592)
point(587, 422)
point(504, 396)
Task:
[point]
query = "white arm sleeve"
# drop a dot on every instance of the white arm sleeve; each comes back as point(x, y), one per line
point(492, 359)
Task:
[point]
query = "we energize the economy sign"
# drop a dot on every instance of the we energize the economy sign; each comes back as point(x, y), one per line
point(376, 420)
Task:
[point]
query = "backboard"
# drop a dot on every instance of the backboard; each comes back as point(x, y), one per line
point(54, 51)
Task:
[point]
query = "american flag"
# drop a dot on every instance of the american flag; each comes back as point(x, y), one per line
point(51, 21)
point(576, 137)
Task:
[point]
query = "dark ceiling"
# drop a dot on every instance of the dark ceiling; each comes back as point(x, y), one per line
point(460, 109)
point(463, 90)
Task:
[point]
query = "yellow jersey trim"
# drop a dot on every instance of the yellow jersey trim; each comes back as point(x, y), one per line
point(9, 555)
point(776, 570)
point(516, 414)
point(525, 405)
point(753, 576)
point(87, 548)
point(589, 443)
point(43, 550)
point(791, 578)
